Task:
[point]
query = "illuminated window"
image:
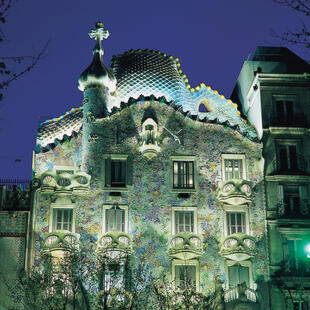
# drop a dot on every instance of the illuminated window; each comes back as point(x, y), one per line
point(114, 276)
point(233, 166)
point(185, 277)
point(184, 221)
point(183, 174)
point(236, 222)
point(62, 219)
point(115, 219)
point(233, 169)
point(238, 274)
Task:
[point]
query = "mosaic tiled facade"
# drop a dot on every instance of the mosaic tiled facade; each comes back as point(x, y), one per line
point(152, 171)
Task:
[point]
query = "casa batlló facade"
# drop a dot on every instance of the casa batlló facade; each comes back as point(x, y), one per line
point(151, 170)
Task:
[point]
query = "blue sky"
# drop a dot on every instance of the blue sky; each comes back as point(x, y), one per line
point(212, 39)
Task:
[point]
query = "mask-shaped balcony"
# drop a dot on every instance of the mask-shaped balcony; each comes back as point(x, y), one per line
point(57, 243)
point(114, 245)
point(64, 181)
point(235, 191)
point(238, 247)
point(185, 246)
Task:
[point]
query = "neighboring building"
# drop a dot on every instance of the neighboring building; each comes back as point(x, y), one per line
point(152, 169)
point(15, 201)
point(274, 91)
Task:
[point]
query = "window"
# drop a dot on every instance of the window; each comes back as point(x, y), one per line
point(292, 200)
point(115, 219)
point(236, 222)
point(285, 111)
point(185, 277)
point(184, 221)
point(233, 169)
point(117, 171)
point(238, 274)
point(287, 157)
point(185, 274)
point(62, 219)
point(114, 276)
point(183, 174)
point(292, 255)
point(233, 166)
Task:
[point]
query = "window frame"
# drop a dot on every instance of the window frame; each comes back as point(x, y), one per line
point(184, 209)
point(183, 159)
point(283, 97)
point(109, 206)
point(54, 207)
point(288, 142)
point(119, 157)
point(245, 263)
point(236, 209)
point(234, 156)
point(229, 225)
point(178, 262)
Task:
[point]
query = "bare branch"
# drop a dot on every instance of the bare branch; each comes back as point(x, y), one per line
point(35, 59)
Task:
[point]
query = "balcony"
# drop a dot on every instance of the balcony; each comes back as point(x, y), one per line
point(115, 299)
point(185, 246)
point(298, 210)
point(295, 120)
point(114, 245)
point(240, 293)
point(238, 247)
point(57, 243)
point(64, 181)
point(235, 191)
point(296, 166)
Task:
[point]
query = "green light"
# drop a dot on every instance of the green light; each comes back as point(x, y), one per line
point(307, 248)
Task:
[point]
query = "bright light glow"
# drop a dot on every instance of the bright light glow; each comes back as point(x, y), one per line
point(307, 248)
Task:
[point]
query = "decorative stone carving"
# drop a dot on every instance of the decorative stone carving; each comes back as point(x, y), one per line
point(235, 191)
point(238, 247)
point(114, 245)
point(185, 245)
point(149, 145)
point(51, 181)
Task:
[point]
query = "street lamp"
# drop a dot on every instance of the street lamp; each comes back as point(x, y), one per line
point(307, 252)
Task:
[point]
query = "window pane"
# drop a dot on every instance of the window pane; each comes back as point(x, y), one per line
point(185, 276)
point(62, 219)
point(235, 222)
point(183, 174)
point(115, 219)
point(118, 173)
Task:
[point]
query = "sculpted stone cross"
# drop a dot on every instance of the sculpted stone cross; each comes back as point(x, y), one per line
point(98, 34)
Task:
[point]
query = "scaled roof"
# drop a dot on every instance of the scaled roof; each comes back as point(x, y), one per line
point(148, 73)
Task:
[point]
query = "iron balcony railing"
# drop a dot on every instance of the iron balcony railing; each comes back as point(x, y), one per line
point(297, 210)
point(15, 183)
point(295, 166)
point(295, 120)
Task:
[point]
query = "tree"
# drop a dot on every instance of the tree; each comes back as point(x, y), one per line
point(301, 35)
point(13, 67)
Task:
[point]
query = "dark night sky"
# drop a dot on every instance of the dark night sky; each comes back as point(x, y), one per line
point(211, 38)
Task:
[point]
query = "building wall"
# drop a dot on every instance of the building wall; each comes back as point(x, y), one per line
point(149, 195)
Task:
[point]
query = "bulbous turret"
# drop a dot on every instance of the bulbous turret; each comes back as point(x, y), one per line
point(97, 73)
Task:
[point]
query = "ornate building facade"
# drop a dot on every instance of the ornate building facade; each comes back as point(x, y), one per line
point(209, 192)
